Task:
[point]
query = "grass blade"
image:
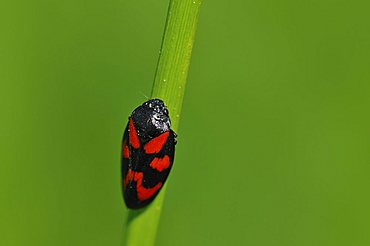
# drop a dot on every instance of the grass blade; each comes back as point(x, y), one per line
point(169, 85)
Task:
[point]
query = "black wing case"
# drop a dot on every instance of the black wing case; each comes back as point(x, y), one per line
point(143, 173)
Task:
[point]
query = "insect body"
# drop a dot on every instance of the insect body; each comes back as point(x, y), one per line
point(148, 149)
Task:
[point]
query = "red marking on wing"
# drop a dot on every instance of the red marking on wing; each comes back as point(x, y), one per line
point(129, 176)
point(125, 150)
point(142, 192)
point(155, 145)
point(160, 163)
point(134, 139)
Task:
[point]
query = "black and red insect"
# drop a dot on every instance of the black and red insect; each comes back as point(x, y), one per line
point(148, 150)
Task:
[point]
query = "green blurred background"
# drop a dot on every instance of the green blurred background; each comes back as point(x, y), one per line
point(273, 146)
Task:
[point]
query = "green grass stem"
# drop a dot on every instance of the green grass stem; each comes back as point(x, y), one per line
point(169, 85)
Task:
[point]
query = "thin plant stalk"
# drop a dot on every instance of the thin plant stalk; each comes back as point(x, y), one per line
point(169, 85)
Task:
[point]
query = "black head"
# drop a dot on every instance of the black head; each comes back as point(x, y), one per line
point(151, 119)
